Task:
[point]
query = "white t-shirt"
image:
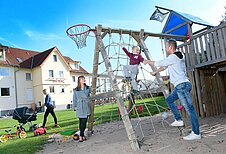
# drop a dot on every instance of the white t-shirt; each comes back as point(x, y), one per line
point(176, 67)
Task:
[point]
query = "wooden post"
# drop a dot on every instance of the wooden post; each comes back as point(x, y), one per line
point(94, 84)
point(131, 103)
point(125, 118)
point(164, 89)
point(196, 73)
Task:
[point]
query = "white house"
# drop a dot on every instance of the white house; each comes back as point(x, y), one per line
point(25, 73)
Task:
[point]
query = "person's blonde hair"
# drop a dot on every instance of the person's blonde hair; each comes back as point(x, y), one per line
point(136, 46)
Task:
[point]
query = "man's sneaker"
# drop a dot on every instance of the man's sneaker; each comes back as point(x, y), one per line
point(192, 136)
point(178, 123)
point(56, 125)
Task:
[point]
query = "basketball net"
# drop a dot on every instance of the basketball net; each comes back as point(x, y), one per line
point(78, 33)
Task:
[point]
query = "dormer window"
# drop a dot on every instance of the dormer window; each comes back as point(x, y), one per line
point(19, 60)
point(55, 58)
point(2, 54)
point(76, 66)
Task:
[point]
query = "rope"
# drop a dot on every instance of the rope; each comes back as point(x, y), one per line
point(118, 55)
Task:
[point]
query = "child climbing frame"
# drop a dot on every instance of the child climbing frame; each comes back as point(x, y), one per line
point(139, 37)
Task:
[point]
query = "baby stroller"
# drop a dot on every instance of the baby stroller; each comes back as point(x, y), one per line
point(21, 115)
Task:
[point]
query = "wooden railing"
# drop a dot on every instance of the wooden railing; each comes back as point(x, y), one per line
point(205, 48)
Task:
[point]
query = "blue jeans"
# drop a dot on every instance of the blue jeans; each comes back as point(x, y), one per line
point(182, 92)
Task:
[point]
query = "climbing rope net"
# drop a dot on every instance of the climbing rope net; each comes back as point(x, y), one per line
point(137, 106)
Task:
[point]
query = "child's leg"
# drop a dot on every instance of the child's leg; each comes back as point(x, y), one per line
point(134, 72)
point(126, 69)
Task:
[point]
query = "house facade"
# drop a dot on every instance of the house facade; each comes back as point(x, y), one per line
point(25, 73)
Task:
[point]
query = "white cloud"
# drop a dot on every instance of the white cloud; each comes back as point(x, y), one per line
point(34, 35)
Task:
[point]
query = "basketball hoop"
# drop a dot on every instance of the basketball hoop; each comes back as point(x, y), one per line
point(79, 33)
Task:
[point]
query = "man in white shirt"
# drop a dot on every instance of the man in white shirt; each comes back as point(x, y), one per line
point(177, 71)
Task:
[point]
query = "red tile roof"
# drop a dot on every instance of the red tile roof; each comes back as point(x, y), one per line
point(13, 53)
point(31, 59)
point(36, 60)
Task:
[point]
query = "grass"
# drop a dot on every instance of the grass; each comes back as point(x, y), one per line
point(67, 121)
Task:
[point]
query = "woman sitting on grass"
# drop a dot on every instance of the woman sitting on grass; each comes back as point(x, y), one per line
point(81, 104)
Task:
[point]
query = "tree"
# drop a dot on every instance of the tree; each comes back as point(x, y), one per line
point(224, 16)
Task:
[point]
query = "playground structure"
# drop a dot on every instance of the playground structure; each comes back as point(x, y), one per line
point(140, 37)
point(204, 52)
point(100, 48)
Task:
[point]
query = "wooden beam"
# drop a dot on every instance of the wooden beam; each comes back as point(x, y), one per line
point(221, 42)
point(160, 35)
point(207, 48)
point(106, 95)
point(124, 114)
point(104, 34)
point(94, 80)
point(187, 56)
point(212, 62)
point(191, 47)
point(203, 54)
point(164, 89)
point(197, 51)
point(196, 76)
point(204, 89)
point(198, 88)
point(216, 44)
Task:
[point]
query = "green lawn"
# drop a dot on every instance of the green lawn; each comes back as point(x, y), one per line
point(66, 121)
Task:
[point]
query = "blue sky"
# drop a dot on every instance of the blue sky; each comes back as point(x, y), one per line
point(41, 24)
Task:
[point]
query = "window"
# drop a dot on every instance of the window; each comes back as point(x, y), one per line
point(108, 84)
point(19, 60)
point(51, 89)
point(73, 79)
point(55, 58)
point(5, 92)
point(103, 85)
point(61, 74)
point(1, 54)
point(4, 72)
point(28, 76)
point(98, 85)
point(29, 93)
point(51, 74)
point(77, 66)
